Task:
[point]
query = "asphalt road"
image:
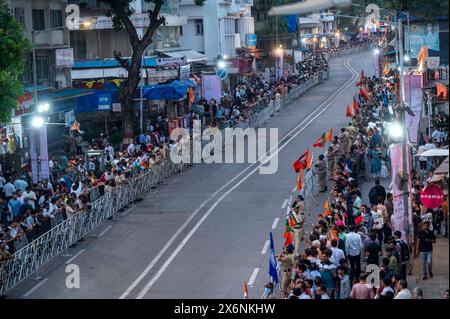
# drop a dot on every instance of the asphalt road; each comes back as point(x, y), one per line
point(205, 233)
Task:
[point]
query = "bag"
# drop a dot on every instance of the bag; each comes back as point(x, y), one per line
point(384, 172)
point(404, 251)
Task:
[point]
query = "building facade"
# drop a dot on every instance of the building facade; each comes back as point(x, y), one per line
point(228, 22)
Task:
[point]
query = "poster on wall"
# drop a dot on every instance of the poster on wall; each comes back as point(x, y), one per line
point(39, 154)
point(421, 35)
point(396, 151)
point(211, 87)
point(279, 72)
point(185, 71)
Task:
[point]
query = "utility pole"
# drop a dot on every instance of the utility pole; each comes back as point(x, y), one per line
point(405, 184)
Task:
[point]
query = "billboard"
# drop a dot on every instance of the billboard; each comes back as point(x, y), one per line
point(421, 35)
point(64, 57)
point(211, 87)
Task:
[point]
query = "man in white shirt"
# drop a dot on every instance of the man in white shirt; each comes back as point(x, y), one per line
point(338, 254)
point(402, 290)
point(9, 190)
point(353, 247)
point(29, 197)
point(437, 135)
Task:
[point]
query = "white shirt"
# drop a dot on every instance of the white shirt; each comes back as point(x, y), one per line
point(404, 294)
point(424, 148)
point(337, 255)
point(29, 198)
point(131, 149)
point(437, 135)
point(9, 189)
point(353, 244)
point(2, 181)
point(304, 296)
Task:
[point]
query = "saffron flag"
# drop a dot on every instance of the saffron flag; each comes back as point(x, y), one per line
point(299, 179)
point(245, 290)
point(288, 238)
point(441, 90)
point(272, 262)
point(361, 79)
point(422, 57)
point(327, 208)
point(349, 112)
point(329, 135)
point(301, 162)
point(355, 105)
point(75, 126)
point(310, 161)
point(191, 96)
point(332, 234)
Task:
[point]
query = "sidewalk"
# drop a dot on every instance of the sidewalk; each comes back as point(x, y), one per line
point(433, 287)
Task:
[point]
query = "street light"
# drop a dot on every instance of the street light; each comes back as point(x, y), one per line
point(406, 58)
point(43, 107)
point(395, 130)
point(221, 64)
point(376, 51)
point(279, 51)
point(37, 121)
point(304, 40)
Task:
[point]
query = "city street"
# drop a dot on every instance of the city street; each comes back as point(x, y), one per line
point(204, 234)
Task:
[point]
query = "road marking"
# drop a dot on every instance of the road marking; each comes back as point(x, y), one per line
point(152, 193)
point(266, 246)
point(252, 279)
point(275, 223)
point(172, 239)
point(68, 261)
point(284, 203)
point(300, 128)
point(35, 288)
point(128, 210)
point(104, 231)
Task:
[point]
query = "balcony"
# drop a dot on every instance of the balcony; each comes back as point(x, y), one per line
point(54, 38)
point(186, 2)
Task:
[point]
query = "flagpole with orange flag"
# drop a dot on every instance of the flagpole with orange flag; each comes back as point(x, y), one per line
point(349, 112)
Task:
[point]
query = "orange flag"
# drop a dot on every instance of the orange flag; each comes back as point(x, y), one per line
point(355, 105)
point(310, 161)
point(191, 96)
point(441, 89)
point(75, 126)
point(327, 208)
point(422, 57)
point(329, 135)
point(349, 112)
point(299, 179)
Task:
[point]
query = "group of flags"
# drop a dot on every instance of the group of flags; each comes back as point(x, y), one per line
point(441, 89)
point(323, 139)
point(303, 162)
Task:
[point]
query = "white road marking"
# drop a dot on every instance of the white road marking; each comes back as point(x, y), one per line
point(29, 292)
point(128, 210)
point(181, 245)
point(300, 127)
point(266, 246)
point(104, 231)
point(283, 206)
point(275, 223)
point(68, 261)
point(152, 193)
point(252, 279)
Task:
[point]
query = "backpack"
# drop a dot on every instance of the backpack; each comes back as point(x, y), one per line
point(404, 251)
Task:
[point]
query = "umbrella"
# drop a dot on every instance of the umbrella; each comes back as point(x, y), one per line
point(435, 152)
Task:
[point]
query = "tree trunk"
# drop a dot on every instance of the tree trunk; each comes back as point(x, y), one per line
point(127, 93)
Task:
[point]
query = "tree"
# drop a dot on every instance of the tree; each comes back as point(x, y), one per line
point(13, 46)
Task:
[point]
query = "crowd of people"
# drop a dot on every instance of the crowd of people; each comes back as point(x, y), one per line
point(354, 250)
point(251, 95)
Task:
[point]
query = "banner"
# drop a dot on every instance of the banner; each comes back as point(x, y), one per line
point(396, 151)
point(104, 101)
point(413, 97)
point(211, 87)
point(64, 57)
point(185, 72)
point(39, 154)
point(279, 72)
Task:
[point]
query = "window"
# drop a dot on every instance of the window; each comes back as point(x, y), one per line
point(236, 26)
point(181, 30)
point(198, 26)
point(19, 14)
point(78, 43)
point(38, 19)
point(42, 69)
point(258, 17)
point(55, 19)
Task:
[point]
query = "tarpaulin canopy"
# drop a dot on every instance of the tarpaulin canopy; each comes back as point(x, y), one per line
point(173, 91)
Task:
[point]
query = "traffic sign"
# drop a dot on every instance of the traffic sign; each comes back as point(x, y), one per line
point(222, 74)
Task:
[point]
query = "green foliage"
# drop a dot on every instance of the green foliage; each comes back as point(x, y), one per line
point(13, 45)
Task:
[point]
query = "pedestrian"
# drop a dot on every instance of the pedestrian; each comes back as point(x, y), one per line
point(344, 283)
point(322, 173)
point(402, 290)
point(373, 250)
point(417, 293)
point(361, 289)
point(426, 240)
point(353, 246)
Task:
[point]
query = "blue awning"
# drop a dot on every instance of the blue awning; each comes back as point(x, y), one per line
point(174, 91)
point(63, 100)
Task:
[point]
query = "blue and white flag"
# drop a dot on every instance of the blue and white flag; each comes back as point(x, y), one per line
point(273, 262)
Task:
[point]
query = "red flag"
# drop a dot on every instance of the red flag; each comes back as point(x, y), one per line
point(361, 78)
point(364, 93)
point(441, 90)
point(245, 290)
point(349, 112)
point(301, 162)
point(320, 141)
point(299, 179)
